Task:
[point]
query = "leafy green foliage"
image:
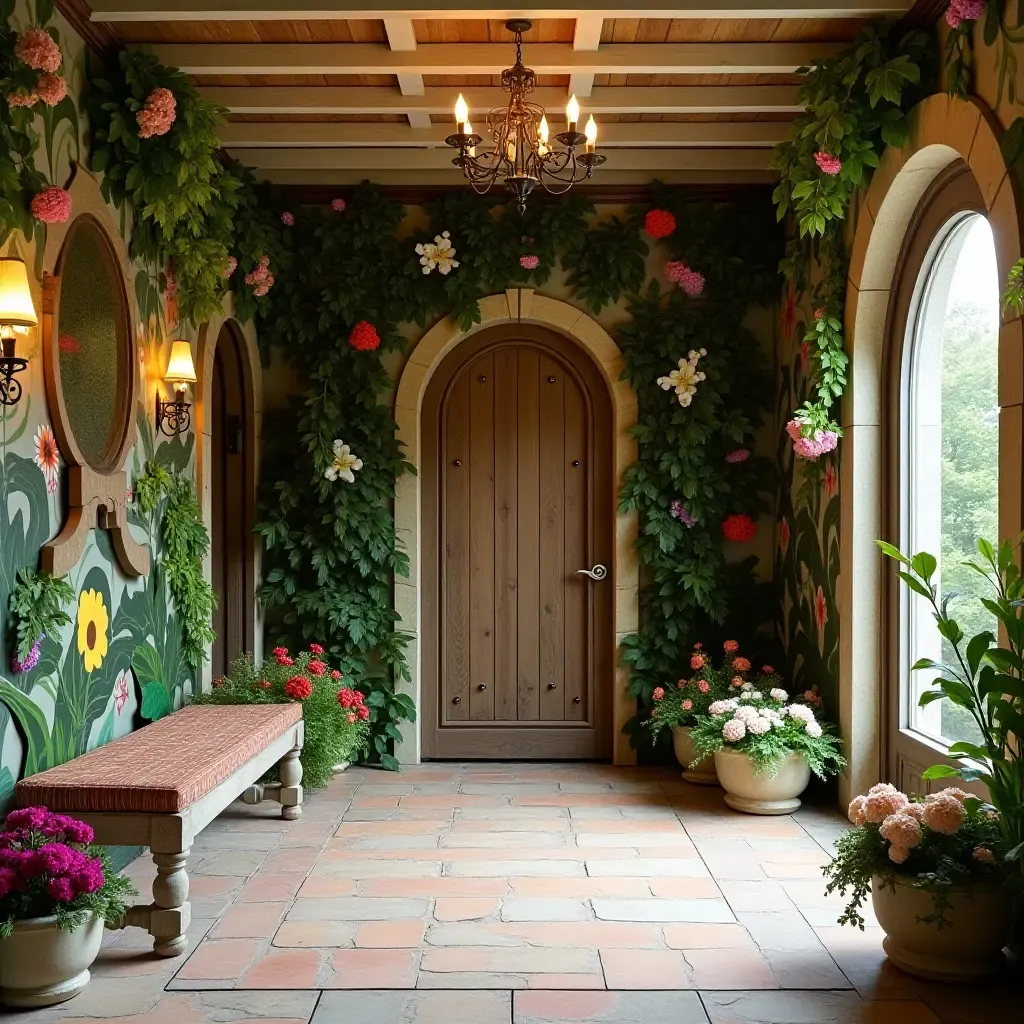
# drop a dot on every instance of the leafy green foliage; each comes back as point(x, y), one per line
point(856, 104)
point(982, 677)
point(330, 737)
point(38, 602)
point(936, 865)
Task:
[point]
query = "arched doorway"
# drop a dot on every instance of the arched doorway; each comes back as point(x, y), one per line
point(518, 538)
point(231, 482)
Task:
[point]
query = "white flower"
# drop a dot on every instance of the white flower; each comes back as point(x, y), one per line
point(745, 713)
point(686, 378)
point(812, 728)
point(344, 465)
point(777, 693)
point(440, 253)
point(751, 694)
point(733, 731)
point(758, 727)
point(799, 711)
point(720, 707)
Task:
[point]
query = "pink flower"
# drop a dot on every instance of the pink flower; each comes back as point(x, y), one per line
point(767, 669)
point(730, 646)
point(883, 800)
point(820, 608)
point(157, 114)
point(36, 48)
point(828, 164)
point(351, 718)
point(659, 693)
point(983, 855)
point(529, 261)
point(52, 205)
point(964, 10)
point(855, 812)
point(230, 268)
point(22, 99)
point(703, 685)
point(338, 205)
point(364, 712)
point(674, 270)
point(696, 661)
point(315, 649)
point(901, 830)
point(812, 447)
point(741, 664)
point(287, 219)
point(692, 282)
point(898, 854)
point(943, 814)
point(51, 89)
point(679, 511)
point(687, 705)
point(738, 455)
point(737, 681)
point(733, 731)
point(120, 693)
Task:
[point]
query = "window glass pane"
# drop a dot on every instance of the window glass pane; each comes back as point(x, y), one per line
point(952, 488)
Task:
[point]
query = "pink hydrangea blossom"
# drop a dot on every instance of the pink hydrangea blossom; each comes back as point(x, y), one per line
point(688, 279)
point(674, 270)
point(230, 268)
point(51, 89)
point(812, 448)
point(956, 794)
point(338, 205)
point(157, 114)
point(687, 705)
point(734, 730)
point(696, 661)
point(738, 455)
point(52, 205)
point(960, 11)
point(261, 280)
point(943, 814)
point(287, 218)
point(855, 812)
point(881, 800)
point(898, 854)
point(983, 855)
point(703, 685)
point(22, 99)
point(827, 163)
point(529, 261)
point(659, 693)
point(36, 48)
point(901, 830)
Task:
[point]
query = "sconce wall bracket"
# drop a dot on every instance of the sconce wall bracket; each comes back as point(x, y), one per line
point(10, 364)
point(173, 417)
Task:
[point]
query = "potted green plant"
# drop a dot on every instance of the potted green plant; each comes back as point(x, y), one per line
point(335, 715)
point(765, 746)
point(937, 873)
point(986, 679)
point(678, 707)
point(56, 892)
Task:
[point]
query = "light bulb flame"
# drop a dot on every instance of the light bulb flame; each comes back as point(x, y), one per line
point(461, 109)
point(572, 110)
point(591, 130)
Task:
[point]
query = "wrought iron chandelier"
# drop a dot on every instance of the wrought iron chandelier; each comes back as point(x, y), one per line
point(523, 153)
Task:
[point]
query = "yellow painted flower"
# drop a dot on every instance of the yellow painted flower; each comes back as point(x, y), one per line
point(92, 629)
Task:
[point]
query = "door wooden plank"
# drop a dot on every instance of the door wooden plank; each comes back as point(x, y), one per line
point(578, 596)
point(506, 548)
point(456, 500)
point(480, 375)
point(529, 536)
point(552, 539)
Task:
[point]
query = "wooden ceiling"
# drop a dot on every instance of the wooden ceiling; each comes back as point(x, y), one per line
point(329, 92)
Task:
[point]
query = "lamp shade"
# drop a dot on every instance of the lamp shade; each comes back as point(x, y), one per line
point(16, 309)
point(179, 366)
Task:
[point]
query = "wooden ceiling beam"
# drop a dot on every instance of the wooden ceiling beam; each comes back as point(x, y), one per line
point(438, 100)
point(316, 135)
point(491, 58)
point(586, 37)
point(319, 10)
point(413, 160)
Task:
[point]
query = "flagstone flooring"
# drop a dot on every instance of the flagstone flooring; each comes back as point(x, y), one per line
point(515, 894)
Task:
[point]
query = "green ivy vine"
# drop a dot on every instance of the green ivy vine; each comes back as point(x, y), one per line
point(856, 105)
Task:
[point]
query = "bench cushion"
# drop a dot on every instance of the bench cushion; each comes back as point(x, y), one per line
point(164, 767)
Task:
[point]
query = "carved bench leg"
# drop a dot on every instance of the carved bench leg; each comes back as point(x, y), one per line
point(290, 794)
point(172, 911)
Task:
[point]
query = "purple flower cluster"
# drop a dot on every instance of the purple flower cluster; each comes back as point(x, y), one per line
point(31, 659)
point(680, 512)
point(42, 858)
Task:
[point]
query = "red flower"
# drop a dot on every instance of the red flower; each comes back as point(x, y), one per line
point(315, 649)
point(697, 661)
point(349, 698)
point(298, 688)
point(335, 674)
point(264, 684)
point(697, 646)
point(730, 646)
point(316, 668)
point(820, 609)
point(831, 480)
point(740, 665)
point(351, 718)
point(784, 534)
point(659, 223)
point(739, 528)
point(280, 652)
point(364, 337)
point(659, 693)
point(364, 712)
point(767, 669)
point(283, 660)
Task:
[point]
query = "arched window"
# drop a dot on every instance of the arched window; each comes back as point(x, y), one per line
point(948, 479)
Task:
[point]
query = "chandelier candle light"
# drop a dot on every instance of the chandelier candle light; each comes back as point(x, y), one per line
point(523, 150)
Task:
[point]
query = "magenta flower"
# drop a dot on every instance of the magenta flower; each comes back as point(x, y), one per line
point(529, 262)
point(52, 205)
point(338, 205)
point(31, 659)
point(287, 218)
point(828, 164)
point(964, 10)
point(680, 512)
point(738, 455)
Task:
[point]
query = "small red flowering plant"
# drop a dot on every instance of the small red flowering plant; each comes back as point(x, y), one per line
point(682, 702)
point(48, 868)
point(336, 716)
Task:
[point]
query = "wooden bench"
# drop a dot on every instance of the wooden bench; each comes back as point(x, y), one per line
point(162, 785)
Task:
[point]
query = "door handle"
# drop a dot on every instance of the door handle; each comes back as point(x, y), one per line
point(597, 573)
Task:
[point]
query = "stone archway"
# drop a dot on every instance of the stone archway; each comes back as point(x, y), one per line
point(524, 306)
point(942, 130)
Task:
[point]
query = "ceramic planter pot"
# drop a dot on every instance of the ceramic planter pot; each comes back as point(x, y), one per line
point(761, 794)
point(41, 964)
point(703, 773)
point(971, 948)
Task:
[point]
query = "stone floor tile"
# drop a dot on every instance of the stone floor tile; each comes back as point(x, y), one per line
point(685, 888)
point(234, 862)
point(318, 887)
point(757, 896)
point(998, 1002)
point(677, 840)
point(860, 957)
point(284, 968)
point(707, 936)
point(373, 968)
point(780, 929)
point(581, 888)
point(390, 934)
point(504, 840)
point(710, 911)
point(645, 969)
point(390, 828)
point(388, 843)
point(536, 868)
point(316, 934)
point(458, 800)
point(509, 959)
point(357, 908)
point(621, 801)
point(571, 935)
point(461, 909)
point(810, 1008)
point(526, 828)
point(331, 863)
point(211, 841)
point(434, 887)
point(204, 1008)
point(650, 867)
point(781, 870)
point(250, 920)
point(414, 1008)
point(544, 910)
point(219, 959)
point(513, 813)
point(538, 1007)
point(730, 969)
point(366, 814)
point(806, 968)
point(810, 894)
point(272, 887)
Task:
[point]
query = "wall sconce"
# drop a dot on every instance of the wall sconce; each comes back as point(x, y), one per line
point(173, 417)
point(17, 314)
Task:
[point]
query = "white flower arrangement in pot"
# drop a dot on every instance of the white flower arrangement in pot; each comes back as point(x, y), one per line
point(938, 877)
point(765, 748)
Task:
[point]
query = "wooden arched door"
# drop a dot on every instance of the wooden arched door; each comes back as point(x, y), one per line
point(232, 484)
point(518, 646)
